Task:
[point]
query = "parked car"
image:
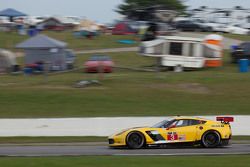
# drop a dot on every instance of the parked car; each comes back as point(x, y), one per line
point(187, 25)
point(237, 29)
point(240, 52)
point(215, 27)
point(98, 64)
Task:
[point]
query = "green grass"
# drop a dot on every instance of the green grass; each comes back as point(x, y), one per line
point(114, 161)
point(239, 37)
point(32, 140)
point(127, 93)
point(241, 138)
point(9, 40)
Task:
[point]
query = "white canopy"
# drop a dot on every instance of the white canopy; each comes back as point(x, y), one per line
point(7, 57)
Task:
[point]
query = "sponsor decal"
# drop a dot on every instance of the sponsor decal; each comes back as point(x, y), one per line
point(217, 126)
point(172, 136)
point(182, 137)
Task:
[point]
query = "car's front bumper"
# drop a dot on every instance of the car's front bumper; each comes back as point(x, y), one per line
point(116, 141)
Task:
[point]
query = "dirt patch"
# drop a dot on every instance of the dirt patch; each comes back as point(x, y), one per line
point(7, 84)
point(194, 88)
point(161, 86)
point(187, 87)
point(56, 87)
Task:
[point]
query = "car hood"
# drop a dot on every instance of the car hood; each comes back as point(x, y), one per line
point(128, 130)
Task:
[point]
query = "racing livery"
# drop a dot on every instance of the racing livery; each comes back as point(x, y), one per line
point(179, 130)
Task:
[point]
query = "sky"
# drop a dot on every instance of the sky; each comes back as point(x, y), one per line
point(102, 11)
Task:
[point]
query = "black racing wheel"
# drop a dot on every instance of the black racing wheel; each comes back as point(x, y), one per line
point(211, 139)
point(135, 140)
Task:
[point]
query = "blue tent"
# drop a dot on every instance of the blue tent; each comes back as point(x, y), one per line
point(11, 13)
point(41, 42)
point(43, 49)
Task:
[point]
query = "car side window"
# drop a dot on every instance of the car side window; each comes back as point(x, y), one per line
point(194, 122)
point(182, 123)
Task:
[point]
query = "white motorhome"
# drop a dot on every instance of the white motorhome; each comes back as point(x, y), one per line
point(237, 15)
point(186, 52)
point(241, 17)
point(201, 13)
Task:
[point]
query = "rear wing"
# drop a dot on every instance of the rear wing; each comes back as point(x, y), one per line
point(225, 120)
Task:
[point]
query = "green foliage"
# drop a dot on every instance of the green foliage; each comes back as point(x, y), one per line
point(124, 161)
point(11, 39)
point(44, 140)
point(135, 4)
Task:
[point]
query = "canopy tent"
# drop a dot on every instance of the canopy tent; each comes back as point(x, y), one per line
point(87, 25)
point(11, 13)
point(58, 23)
point(43, 49)
point(123, 28)
point(7, 60)
point(41, 41)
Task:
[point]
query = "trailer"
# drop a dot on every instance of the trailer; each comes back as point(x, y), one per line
point(185, 52)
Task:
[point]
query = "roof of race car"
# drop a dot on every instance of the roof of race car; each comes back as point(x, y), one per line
point(185, 117)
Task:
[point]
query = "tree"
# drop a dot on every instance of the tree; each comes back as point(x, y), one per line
point(132, 5)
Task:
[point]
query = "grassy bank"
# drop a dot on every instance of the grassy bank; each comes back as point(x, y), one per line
point(127, 93)
point(33, 140)
point(114, 161)
point(9, 40)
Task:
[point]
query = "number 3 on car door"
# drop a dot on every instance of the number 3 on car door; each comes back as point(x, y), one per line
point(184, 130)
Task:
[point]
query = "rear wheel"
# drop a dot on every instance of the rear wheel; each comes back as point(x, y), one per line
point(211, 139)
point(135, 140)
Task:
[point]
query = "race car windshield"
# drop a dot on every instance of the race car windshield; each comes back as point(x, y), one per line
point(163, 124)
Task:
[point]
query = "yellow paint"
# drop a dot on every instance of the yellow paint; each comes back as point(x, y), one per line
point(186, 133)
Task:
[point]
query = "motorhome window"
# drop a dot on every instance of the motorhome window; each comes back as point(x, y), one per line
point(175, 48)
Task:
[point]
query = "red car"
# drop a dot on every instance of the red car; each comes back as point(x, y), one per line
point(98, 64)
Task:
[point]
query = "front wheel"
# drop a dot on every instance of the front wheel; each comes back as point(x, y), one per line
point(135, 140)
point(211, 139)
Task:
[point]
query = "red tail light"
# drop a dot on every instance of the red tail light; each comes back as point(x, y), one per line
point(225, 119)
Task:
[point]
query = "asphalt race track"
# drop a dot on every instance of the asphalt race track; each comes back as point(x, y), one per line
point(79, 150)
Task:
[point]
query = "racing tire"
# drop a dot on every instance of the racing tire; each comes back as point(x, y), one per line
point(135, 140)
point(211, 139)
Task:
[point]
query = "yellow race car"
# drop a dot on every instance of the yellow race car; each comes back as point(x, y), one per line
point(179, 130)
